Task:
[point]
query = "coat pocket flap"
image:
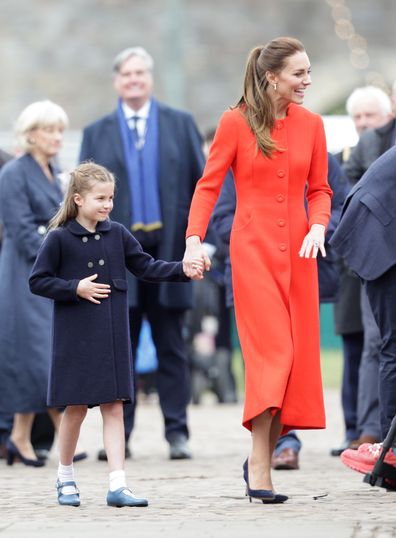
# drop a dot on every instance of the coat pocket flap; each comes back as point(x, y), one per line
point(376, 208)
point(120, 284)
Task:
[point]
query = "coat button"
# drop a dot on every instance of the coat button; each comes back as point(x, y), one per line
point(84, 239)
point(282, 247)
point(281, 173)
point(97, 237)
point(41, 230)
point(90, 265)
point(101, 262)
point(280, 198)
point(281, 222)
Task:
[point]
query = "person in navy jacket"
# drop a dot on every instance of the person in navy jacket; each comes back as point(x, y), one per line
point(30, 194)
point(155, 152)
point(366, 238)
point(82, 265)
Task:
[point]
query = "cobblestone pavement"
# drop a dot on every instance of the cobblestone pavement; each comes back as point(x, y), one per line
point(203, 497)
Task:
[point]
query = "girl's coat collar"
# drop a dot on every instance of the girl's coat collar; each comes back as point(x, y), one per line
point(75, 228)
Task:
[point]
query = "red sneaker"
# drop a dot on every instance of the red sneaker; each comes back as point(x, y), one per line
point(365, 457)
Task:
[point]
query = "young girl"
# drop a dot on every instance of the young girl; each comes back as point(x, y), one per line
point(82, 266)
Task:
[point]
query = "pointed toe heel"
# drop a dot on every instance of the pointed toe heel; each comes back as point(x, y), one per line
point(68, 499)
point(278, 499)
point(267, 496)
point(13, 452)
point(124, 497)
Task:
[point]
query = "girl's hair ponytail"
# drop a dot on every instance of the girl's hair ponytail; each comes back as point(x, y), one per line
point(82, 180)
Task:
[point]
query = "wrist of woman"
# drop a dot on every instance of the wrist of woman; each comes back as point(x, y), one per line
point(318, 227)
point(193, 240)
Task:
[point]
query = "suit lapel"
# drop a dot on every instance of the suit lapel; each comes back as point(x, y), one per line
point(40, 180)
point(168, 157)
point(115, 141)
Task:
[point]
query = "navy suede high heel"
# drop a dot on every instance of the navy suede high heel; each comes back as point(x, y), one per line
point(267, 496)
point(13, 452)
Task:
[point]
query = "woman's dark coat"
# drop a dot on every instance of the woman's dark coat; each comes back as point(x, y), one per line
point(27, 201)
point(92, 359)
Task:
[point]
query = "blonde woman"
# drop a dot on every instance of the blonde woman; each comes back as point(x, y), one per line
point(30, 194)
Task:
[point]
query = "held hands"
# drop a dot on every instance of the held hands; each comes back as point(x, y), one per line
point(196, 259)
point(91, 291)
point(313, 242)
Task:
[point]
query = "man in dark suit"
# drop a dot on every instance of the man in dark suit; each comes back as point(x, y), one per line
point(370, 110)
point(155, 153)
point(366, 238)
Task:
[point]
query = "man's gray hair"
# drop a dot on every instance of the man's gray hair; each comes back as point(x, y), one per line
point(124, 55)
point(369, 92)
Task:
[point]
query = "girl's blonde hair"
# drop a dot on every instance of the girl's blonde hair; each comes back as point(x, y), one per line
point(255, 103)
point(82, 179)
point(37, 115)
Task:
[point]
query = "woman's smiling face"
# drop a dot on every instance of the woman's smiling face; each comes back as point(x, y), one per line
point(294, 79)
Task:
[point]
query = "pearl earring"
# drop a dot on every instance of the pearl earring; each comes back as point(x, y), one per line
point(274, 86)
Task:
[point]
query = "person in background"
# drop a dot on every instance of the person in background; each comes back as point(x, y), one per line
point(273, 246)
point(155, 152)
point(369, 108)
point(30, 194)
point(366, 238)
point(5, 420)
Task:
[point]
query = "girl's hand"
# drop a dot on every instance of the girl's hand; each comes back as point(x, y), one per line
point(313, 242)
point(198, 267)
point(91, 291)
point(196, 259)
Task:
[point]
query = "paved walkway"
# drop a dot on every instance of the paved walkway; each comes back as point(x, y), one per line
point(203, 497)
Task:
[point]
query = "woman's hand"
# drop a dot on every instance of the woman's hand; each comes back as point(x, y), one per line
point(91, 291)
point(196, 259)
point(313, 242)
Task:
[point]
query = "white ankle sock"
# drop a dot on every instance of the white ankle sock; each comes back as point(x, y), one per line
point(117, 480)
point(66, 474)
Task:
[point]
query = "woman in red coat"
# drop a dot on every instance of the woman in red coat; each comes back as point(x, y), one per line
point(277, 151)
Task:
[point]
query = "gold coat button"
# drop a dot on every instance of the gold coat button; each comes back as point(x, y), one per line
point(90, 265)
point(84, 239)
point(101, 262)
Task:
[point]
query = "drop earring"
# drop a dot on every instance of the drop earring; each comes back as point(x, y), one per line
point(274, 86)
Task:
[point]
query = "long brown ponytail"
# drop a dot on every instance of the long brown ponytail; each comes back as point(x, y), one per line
point(255, 103)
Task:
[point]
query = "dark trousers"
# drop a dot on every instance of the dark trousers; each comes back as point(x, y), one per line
point(381, 293)
point(352, 350)
point(173, 374)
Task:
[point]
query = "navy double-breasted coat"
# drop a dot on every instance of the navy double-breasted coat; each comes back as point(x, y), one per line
point(27, 201)
point(92, 359)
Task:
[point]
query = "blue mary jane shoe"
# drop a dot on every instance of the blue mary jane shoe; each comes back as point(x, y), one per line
point(119, 499)
point(68, 499)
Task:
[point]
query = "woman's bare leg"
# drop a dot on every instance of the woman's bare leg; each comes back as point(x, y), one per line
point(21, 433)
point(265, 433)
